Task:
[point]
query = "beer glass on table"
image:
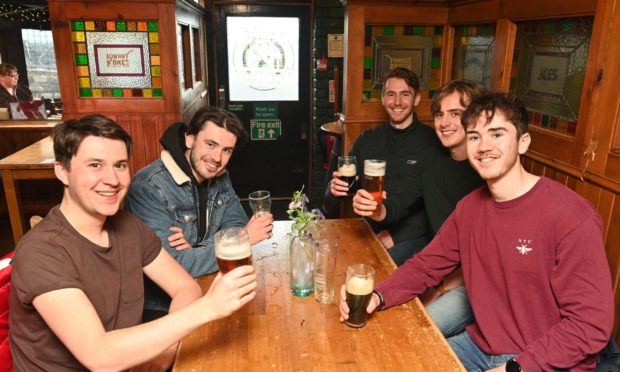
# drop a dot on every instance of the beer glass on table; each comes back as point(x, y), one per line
point(232, 248)
point(347, 166)
point(359, 285)
point(260, 202)
point(374, 175)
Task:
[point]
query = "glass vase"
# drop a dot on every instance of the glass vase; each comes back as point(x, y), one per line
point(301, 256)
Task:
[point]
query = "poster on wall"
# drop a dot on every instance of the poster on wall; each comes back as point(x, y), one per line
point(335, 45)
point(263, 58)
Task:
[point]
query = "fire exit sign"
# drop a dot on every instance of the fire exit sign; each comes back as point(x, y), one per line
point(265, 129)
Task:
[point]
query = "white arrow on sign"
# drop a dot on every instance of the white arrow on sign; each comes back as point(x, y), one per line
point(271, 132)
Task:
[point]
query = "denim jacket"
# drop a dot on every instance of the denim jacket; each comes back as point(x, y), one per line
point(162, 195)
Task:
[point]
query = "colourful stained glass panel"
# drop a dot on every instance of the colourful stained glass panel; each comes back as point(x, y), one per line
point(94, 79)
point(473, 53)
point(548, 70)
point(417, 47)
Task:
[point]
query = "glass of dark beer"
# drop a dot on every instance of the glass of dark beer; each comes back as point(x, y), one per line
point(347, 166)
point(374, 175)
point(232, 248)
point(359, 285)
point(260, 202)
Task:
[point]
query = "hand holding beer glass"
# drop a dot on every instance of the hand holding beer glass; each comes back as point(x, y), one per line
point(232, 248)
point(374, 175)
point(359, 285)
point(347, 167)
point(344, 178)
point(260, 202)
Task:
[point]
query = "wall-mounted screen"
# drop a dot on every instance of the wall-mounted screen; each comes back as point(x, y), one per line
point(263, 58)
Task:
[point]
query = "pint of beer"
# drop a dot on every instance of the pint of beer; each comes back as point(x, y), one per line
point(232, 248)
point(347, 166)
point(374, 174)
point(359, 285)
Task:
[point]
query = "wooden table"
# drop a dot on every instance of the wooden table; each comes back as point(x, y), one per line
point(280, 332)
point(31, 163)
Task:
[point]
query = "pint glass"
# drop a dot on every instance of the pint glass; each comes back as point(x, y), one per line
point(359, 285)
point(374, 174)
point(260, 202)
point(347, 166)
point(232, 248)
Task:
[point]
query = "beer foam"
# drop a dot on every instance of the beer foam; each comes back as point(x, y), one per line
point(348, 170)
point(233, 251)
point(360, 286)
point(373, 169)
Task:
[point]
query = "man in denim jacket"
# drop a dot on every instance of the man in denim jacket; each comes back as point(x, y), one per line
point(186, 196)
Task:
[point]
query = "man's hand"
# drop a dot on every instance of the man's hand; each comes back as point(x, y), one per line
point(338, 187)
point(386, 239)
point(259, 228)
point(228, 293)
point(365, 205)
point(344, 308)
point(177, 240)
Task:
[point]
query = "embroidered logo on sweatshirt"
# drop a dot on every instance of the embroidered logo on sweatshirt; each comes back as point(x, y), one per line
point(524, 246)
point(411, 162)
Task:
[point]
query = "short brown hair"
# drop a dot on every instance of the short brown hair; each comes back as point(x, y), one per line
point(467, 90)
point(68, 136)
point(222, 119)
point(407, 75)
point(7, 69)
point(491, 103)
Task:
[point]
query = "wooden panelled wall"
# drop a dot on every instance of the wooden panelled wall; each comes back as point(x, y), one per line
point(589, 162)
point(144, 118)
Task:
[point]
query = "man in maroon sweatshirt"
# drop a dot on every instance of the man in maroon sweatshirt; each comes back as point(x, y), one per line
point(532, 254)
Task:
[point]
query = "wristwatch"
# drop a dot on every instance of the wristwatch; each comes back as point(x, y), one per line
point(513, 366)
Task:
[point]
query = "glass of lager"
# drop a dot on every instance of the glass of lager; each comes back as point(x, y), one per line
point(260, 202)
point(359, 285)
point(347, 166)
point(374, 174)
point(232, 248)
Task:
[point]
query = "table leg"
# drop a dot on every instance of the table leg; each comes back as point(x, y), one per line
point(13, 204)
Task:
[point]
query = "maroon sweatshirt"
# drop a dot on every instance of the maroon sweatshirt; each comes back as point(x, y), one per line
point(535, 270)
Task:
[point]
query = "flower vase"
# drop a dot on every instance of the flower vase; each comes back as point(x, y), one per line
point(301, 256)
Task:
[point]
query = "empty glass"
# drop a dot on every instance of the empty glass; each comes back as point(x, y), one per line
point(260, 202)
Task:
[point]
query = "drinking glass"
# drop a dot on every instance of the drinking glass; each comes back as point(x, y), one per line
point(347, 166)
point(374, 177)
point(260, 202)
point(232, 248)
point(324, 271)
point(359, 285)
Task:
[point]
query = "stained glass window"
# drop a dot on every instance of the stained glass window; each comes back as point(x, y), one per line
point(117, 58)
point(413, 46)
point(473, 53)
point(548, 70)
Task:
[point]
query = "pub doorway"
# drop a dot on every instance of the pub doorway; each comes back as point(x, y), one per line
point(263, 76)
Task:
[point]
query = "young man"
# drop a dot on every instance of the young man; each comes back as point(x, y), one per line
point(186, 196)
point(442, 182)
point(405, 144)
point(77, 287)
point(532, 255)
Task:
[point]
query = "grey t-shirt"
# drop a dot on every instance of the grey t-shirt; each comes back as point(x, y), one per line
point(55, 256)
